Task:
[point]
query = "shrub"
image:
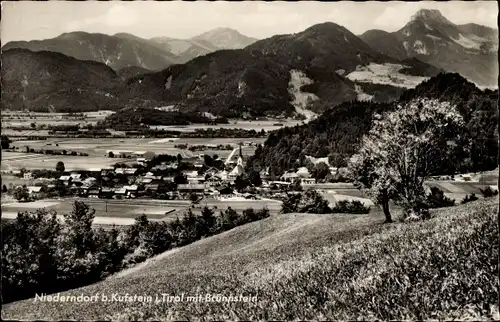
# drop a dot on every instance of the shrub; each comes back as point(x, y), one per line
point(488, 192)
point(437, 199)
point(469, 198)
point(309, 202)
point(350, 207)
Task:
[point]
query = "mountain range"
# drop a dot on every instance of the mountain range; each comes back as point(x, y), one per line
point(50, 82)
point(284, 75)
point(469, 49)
point(124, 50)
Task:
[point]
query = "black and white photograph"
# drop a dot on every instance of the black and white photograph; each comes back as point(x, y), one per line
point(249, 161)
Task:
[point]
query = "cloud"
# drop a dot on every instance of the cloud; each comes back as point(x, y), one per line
point(120, 16)
point(487, 16)
point(117, 16)
point(395, 17)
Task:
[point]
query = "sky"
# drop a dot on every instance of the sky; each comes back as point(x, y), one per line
point(30, 20)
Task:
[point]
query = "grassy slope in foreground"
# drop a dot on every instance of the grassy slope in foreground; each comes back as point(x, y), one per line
point(314, 267)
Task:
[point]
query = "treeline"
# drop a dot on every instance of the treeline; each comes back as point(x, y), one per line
point(139, 117)
point(42, 254)
point(337, 132)
point(313, 202)
point(27, 149)
point(198, 133)
point(203, 147)
point(224, 133)
point(139, 132)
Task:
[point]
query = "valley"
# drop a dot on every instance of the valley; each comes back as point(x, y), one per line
point(288, 161)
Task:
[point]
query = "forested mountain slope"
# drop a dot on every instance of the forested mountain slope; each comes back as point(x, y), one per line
point(337, 132)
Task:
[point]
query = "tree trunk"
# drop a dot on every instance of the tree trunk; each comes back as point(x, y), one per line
point(387, 213)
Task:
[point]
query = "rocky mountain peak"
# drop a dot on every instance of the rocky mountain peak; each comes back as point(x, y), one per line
point(226, 38)
point(430, 15)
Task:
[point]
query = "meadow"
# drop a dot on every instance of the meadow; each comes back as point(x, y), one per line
point(319, 267)
point(18, 119)
point(14, 161)
point(114, 208)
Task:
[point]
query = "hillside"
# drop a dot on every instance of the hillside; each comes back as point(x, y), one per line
point(229, 83)
point(469, 49)
point(133, 118)
point(184, 49)
point(325, 47)
point(337, 132)
point(52, 82)
point(224, 38)
point(256, 81)
point(118, 51)
point(132, 71)
point(351, 267)
point(385, 42)
point(205, 43)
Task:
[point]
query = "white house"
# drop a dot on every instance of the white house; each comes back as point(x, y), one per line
point(302, 172)
point(89, 181)
point(223, 175)
point(213, 180)
point(198, 179)
point(128, 191)
point(146, 180)
point(28, 176)
point(191, 174)
point(34, 190)
point(65, 179)
point(75, 176)
point(127, 171)
point(333, 170)
point(289, 176)
point(191, 188)
point(307, 181)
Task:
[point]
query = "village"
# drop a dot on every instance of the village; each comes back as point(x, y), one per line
point(148, 175)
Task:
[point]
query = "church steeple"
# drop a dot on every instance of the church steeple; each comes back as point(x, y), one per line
point(240, 157)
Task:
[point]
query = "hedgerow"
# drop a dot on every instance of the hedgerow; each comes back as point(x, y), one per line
point(41, 254)
point(350, 207)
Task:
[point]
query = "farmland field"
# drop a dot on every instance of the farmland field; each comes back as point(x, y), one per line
point(16, 119)
point(458, 190)
point(8, 179)
point(12, 161)
point(334, 196)
point(115, 208)
point(98, 147)
point(153, 209)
